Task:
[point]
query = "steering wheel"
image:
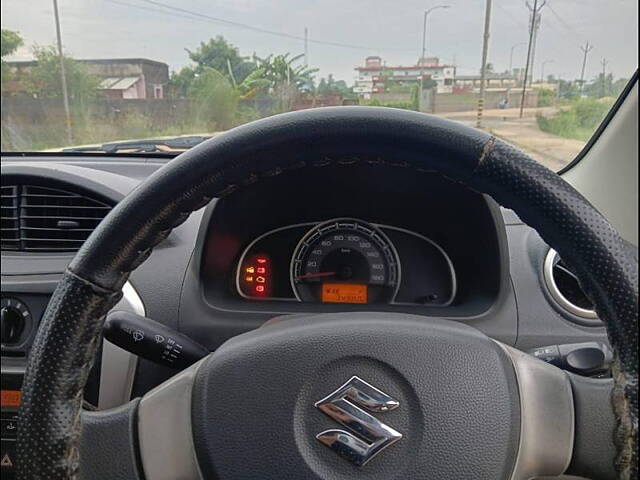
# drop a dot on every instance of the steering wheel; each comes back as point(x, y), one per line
point(364, 395)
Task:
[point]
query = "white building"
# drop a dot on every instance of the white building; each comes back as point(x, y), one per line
point(376, 76)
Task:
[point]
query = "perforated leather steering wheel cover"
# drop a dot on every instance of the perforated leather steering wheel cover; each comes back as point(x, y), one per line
point(47, 440)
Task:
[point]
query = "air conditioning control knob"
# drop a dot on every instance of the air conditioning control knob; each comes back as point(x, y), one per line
point(13, 319)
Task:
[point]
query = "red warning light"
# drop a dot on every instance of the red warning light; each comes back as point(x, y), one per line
point(257, 284)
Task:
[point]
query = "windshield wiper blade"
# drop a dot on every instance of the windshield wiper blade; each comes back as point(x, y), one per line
point(144, 146)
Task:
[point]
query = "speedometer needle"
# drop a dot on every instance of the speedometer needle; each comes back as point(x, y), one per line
point(315, 275)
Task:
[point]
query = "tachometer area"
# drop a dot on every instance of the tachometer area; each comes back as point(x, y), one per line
point(345, 260)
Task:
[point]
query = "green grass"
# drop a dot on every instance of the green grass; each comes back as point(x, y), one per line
point(43, 137)
point(577, 121)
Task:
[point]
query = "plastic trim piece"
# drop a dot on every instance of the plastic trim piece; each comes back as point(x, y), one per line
point(589, 316)
point(118, 367)
point(164, 425)
point(547, 416)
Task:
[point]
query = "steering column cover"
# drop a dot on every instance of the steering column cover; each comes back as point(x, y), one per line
point(377, 137)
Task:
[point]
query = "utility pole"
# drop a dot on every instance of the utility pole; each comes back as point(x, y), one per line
point(483, 69)
point(604, 76)
point(537, 19)
point(586, 49)
point(511, 55)
point(424, 50)
point(532, 27)
point(306, 47)
point(63, 76)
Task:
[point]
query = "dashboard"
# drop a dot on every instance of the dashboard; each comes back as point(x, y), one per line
point(331, 239)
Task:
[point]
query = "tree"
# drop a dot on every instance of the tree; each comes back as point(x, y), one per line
point(44, 80)
point(567, 89)
point(220, 55)
point(215, 98)
point(180, 82)
point(604, 86)
point(330, 86)
point(279, 76)
point(618, 86)
point(9, 42)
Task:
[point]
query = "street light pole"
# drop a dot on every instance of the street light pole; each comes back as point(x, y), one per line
point(542, 69)
point(63, 76)
point(424, 47)
point(511, 55)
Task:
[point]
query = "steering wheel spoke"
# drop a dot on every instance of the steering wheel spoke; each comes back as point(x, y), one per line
point(547, 417)
point(165, 432)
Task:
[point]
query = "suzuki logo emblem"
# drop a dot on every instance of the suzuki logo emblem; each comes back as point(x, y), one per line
point(367, 436)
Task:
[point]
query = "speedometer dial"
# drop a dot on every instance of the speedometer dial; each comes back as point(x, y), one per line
point(345, 261)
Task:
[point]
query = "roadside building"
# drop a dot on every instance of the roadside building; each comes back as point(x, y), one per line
point(492, 80)
point(119, 78)
point(377, 77)
point(130, 78)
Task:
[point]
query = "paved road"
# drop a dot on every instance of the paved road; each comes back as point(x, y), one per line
point(553, 151)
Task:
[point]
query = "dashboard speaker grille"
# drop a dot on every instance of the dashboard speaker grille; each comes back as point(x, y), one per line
point(45, 219)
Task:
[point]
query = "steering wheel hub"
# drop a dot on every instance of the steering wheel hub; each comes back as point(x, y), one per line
point(437, 396)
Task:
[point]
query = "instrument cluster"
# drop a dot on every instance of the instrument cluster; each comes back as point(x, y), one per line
point(346, 260)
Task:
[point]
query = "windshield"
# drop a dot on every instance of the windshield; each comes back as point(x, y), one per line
point(136, 76)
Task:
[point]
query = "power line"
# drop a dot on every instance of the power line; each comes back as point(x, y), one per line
point(513, 18)
point(191, 14)
point(155, 10)
point(561, 20)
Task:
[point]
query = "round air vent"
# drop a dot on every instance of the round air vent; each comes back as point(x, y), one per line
point(565, 289)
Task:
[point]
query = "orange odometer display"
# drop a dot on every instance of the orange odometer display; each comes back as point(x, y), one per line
point(11, 398)
point(344, 293)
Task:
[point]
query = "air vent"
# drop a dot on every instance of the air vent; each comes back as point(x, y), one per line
point(45, 219)
point(10, 221)
point(565, 289)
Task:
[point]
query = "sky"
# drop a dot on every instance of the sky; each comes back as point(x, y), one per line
point(389, 28)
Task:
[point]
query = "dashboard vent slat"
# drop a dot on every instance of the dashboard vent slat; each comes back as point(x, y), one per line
point(10, 220)
point(48, 219)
